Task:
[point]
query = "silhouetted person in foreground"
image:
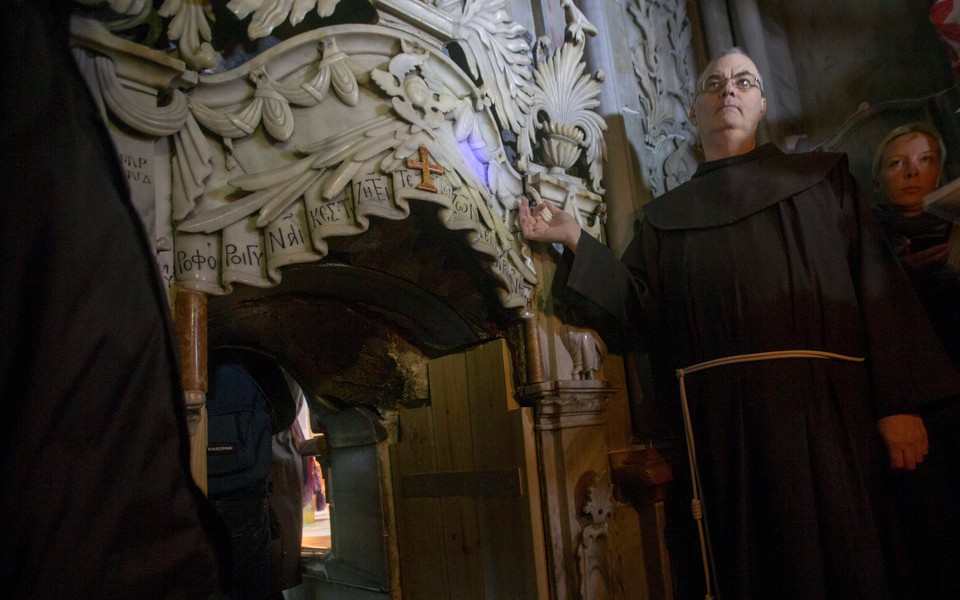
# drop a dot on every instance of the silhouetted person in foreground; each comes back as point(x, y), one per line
point(96, 499)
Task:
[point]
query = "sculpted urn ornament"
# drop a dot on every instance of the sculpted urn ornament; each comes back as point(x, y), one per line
point(561, 118)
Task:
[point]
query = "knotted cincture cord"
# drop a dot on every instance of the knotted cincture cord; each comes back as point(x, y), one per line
point(706, 551)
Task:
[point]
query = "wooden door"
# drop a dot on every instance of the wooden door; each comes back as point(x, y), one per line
point(467, 494)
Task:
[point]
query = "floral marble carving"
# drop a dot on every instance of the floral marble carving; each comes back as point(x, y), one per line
point(593, 557)
point(189, 26)
point(663, 66)
point(561, 120)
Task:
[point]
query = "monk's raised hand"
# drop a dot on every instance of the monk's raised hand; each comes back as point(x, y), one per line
point(547, 223)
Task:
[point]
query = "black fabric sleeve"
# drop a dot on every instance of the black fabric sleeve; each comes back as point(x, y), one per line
point(613, 296)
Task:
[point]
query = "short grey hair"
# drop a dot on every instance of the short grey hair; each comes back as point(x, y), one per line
point(721, 54)
point(915, 127)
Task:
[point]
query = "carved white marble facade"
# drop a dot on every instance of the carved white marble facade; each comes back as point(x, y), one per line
point(244, 166)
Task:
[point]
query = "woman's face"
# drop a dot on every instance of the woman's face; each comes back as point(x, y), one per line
point(909, 170)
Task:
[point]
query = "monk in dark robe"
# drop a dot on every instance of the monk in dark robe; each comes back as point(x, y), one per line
point(763, 252)
point(96, 496)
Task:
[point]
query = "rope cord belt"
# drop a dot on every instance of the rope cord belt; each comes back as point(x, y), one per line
point(706, 550)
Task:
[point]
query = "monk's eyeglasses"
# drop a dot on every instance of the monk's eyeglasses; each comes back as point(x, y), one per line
point(742, 81)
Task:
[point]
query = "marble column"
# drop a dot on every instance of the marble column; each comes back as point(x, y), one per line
point(190, 315)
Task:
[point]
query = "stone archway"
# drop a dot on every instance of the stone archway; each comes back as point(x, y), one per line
point(273, 184)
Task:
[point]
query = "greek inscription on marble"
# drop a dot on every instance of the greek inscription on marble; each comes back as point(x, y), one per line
point(137, 169)
point(466, 208)
point(371, 189)
point(167, 277)
point(408, 178)
point(488, 236)
point(247, 255)
point(510, 273)
point(188, 261)
point(444, 187)
point(285, 235)
point(338, 210)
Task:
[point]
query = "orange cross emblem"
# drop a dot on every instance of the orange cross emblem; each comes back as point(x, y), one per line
point(426, 184)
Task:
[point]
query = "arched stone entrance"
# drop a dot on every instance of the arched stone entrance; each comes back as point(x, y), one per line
point(343, 201)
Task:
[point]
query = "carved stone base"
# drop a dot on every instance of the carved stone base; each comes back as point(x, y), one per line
point(572, 457)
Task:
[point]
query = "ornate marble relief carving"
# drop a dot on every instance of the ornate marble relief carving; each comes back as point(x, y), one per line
point(190, 27)
point(156, 121)
point(570, 403)
point(497, 54)
point(561, 124)
point(267, 163)
point(561, 118)
point(663, 64)
point(593, 553)
point(586, 349)
point(268, 14)
point(568, 422)
point(578, 26)
point(341, 175)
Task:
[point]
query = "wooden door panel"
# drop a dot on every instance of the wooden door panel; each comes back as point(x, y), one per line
point(450, 399)
point(468, 519)
point(419, 520)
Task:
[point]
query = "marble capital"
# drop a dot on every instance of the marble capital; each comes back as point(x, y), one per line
point(567, 404)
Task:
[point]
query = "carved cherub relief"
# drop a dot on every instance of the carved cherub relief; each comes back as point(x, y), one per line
point(414, 98)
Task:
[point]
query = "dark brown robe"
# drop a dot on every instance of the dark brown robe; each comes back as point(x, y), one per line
point(765, 252)
point(96, 497)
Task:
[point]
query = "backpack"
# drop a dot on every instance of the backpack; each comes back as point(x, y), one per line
point(248, 400)
point(239, 427)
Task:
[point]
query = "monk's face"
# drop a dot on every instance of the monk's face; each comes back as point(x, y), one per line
point(909, 170)
point(731, 109)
